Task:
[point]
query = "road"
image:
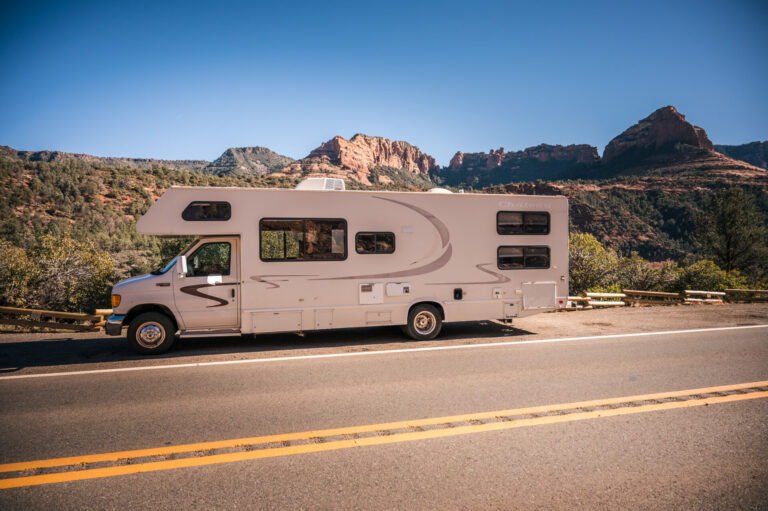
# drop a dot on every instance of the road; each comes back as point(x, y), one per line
point(701, 450)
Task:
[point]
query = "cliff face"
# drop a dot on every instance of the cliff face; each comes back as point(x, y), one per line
point(247, 161)
point(755, 153)
point(361, 153)
point(367, 160)
point(498, 166)
point(658, 132)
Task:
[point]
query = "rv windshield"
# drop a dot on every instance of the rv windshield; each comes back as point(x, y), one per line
point(170, 264)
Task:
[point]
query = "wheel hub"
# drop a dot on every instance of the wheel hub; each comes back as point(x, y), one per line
point(424, 322)
point(150, 334)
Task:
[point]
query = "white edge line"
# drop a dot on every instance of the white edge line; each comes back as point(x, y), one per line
point(380, 352)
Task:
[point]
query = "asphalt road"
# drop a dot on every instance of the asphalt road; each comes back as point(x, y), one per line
point(708, 457)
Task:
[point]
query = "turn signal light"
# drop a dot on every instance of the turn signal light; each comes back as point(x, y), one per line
point(115, 300)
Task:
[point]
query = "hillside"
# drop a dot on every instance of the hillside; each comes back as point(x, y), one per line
point(754, 153)
point(91, 201)
point(644, 195)
point(8, 153)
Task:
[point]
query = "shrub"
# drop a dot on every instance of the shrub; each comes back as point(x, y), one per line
point(57, 273)
point(591, 265)
point(14, 275)
point(705, 275)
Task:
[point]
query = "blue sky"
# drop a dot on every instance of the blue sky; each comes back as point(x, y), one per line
point(187, 80)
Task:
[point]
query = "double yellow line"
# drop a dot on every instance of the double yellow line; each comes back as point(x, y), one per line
point(443, 427)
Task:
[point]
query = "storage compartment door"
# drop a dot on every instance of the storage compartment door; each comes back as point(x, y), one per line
point(276, 321)
point(539, 295)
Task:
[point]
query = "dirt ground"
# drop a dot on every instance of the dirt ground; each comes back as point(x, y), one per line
point(51, 352)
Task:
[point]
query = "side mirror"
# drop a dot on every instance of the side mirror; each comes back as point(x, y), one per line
point(182, 266)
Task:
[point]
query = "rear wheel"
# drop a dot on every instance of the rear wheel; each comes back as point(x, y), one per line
point(424, 322)
point(151, 333)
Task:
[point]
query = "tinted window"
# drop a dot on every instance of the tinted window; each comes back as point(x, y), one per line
point(375, 242)
point(209, 259)
point(197, 211)
point(513, 258)
point(522, 222)
point(306, 239)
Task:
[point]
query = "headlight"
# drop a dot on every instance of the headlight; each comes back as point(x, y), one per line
point(115, 300)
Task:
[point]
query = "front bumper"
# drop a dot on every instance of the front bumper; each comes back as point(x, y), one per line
point(114, 325)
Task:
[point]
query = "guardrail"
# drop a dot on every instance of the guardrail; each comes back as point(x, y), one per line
point(34, 318)
point(746, 295)
point(634, 297)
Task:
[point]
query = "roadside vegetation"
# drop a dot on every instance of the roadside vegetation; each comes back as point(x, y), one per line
point(68, 232)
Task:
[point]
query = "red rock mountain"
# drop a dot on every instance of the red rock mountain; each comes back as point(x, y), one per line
point(362, 153)
point(543, 161)
point(361, 158)
point(660, 130)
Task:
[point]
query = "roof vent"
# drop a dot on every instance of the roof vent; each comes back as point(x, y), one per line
point(321, 183)
point(439, 190)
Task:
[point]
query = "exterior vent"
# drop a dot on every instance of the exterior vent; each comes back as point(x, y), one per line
point(439, 190)
point(321, 183)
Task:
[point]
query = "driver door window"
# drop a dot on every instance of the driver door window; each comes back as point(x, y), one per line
point(210, 259)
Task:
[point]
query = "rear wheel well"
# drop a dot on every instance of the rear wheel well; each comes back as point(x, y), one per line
point(433, 304)
point(150, 307)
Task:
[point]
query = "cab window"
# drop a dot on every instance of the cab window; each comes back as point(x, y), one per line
point(210, 259)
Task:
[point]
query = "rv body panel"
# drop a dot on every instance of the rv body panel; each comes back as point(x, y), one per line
point(446, 249)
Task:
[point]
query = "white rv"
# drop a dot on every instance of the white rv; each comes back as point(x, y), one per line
point(320, 257)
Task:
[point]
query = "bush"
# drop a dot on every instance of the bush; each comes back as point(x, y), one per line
point(57, 273)
point(634, 272)
point(705, 275)
point(14, 275)
point(591, 265)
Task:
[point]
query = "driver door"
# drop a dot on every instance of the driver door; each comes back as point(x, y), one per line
point(208, 297)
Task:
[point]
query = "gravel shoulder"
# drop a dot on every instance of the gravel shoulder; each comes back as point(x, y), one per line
point(55, 352)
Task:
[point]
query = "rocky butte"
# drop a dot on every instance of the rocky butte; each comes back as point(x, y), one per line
point(658, 132)
point(248, 161)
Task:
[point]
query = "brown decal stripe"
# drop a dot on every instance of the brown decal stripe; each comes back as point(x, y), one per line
point(500, 279)
point(445, 237)
point(193, 290)
point(429, 267)
point(272, 280)
point(434, 265)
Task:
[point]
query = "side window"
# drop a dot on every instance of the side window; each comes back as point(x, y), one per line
point(201, 211)
point(522, 222)
point(210, 259)
point(307, 239)
point(375, 242)
point(516, 258)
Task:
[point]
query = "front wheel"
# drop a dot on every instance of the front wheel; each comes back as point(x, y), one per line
point(151, 333)
point(424, 322)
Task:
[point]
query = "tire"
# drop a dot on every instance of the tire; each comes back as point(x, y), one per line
point(151, 333)
point(424, 322)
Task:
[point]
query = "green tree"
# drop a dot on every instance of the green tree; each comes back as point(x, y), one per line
point(590, 264)
point(733, 231)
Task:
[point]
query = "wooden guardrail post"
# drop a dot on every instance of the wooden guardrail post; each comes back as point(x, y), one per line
point(35, 319)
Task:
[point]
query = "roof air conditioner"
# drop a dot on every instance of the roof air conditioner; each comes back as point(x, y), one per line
point(321, 183)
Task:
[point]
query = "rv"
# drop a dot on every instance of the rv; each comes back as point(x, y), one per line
point(319, 257)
